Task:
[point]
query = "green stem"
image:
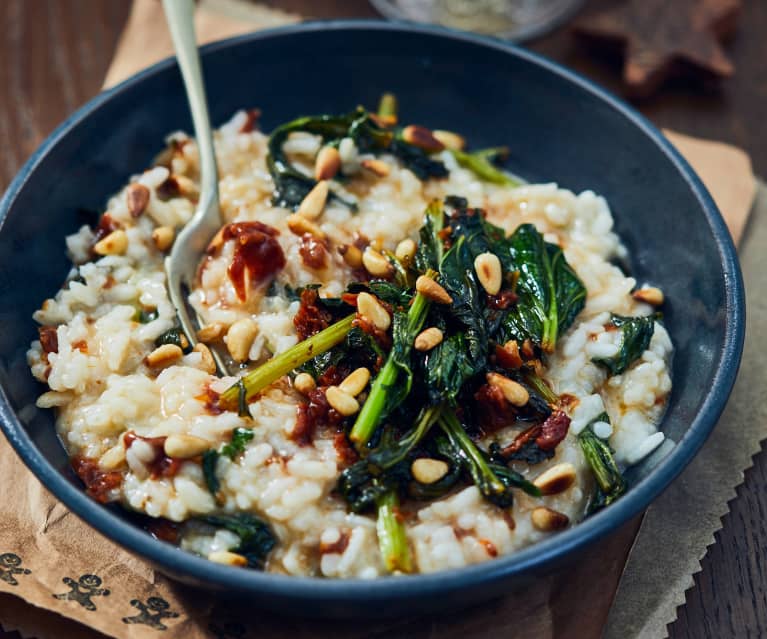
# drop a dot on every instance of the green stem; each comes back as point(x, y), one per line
point(387, 107)
point(386, 457)
point(257, 380)
point(539, 386)
point(392, 538)
point(373, 408)
point(478, 162)
point(481, 473)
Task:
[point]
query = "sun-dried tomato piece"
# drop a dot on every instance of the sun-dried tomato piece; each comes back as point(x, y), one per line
point(49, 339)
point(161, 465)
point(251, 120)
point(98, 484)
point(347, 454)
point(553, 430)
point(311, 317)
point(256, 252)
point(313, 415)
point(521, 440)
point(313, 251)
point(503, 300)
point(494, 411)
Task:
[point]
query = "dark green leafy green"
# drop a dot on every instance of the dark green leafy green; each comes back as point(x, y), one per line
point(468, 312)
point(464, 451)
point(390, 293)
point(430, 246)
point(174, 336)
point(435, 490)
point(236, 446)
point(392, 384)
point(550, 294)
point(610, 483)
point(209, 463)
point(447, 367)
point(417, 160)
point(390, 453)
point(256, 538)
point(291, 186)
point(636, 333)
point(361, 488)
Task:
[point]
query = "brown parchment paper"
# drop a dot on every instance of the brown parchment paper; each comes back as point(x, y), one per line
point(52, 560)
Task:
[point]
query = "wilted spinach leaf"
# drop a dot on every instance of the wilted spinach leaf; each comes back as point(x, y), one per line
point(636, 333)
point(550, 293)
point(256, 539)
point(610, 483)
point(209, 463)
point(430, 248)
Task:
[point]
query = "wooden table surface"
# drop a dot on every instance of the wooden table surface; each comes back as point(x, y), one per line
point(53, 58)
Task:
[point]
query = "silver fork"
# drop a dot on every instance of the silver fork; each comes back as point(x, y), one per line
point(184, 259)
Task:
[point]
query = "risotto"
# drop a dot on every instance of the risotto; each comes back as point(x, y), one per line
point(430, 363)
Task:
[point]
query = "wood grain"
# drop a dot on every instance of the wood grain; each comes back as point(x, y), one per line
point(53, 57)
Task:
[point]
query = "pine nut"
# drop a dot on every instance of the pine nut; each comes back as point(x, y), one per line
point(163, 356)
point(207, 363)
point(116, 243)
point(298, 225)
point(428, 471)
point(556, 479)
point(163, 237)
point(421, 137)
point(548, 520)
point(211, 333)
point(342, 401)
point(304, 383)
point(428, 339)
point(355, 382)
point(351, 255)
point(137, 199)
point(327, 164)
point(228, 558)
point(113, 458)
point(186, 186)
point(375, 263)
point(240, 338)
point(515, 393)
point(314, 203)
point(450, 140)
point(376, 167)
point(405, 251)
point(185, 446)
point(432, 290)
point(488, 268)
point(649, 295)
point(370, 308)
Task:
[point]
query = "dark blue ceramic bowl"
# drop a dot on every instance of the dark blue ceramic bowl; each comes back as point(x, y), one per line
point(560, 128)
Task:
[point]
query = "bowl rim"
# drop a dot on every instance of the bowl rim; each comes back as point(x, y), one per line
point(530, 560)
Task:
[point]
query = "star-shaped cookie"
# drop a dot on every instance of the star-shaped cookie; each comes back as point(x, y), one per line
point(662, 37)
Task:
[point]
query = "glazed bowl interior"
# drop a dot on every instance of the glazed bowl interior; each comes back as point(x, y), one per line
point(559, 128)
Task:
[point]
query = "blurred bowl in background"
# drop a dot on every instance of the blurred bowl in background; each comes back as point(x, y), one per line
point(515, 20)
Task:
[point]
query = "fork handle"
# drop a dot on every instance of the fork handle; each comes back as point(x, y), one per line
point(180, 16)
